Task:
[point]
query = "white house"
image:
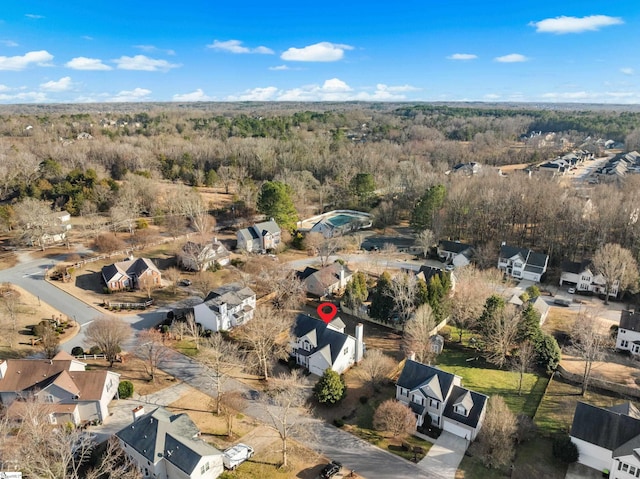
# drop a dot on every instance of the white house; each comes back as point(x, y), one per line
point(226, 307)
point(581, 276)
point(259, 237)
point(75, 395)
point(167, 446)
point(522, 263)
point(455, 253)
point(437, 398)
point(629, 332)
point(608, 439)
point(325, 281)
point(60, 223)
point(198, 257)
point(317, 345)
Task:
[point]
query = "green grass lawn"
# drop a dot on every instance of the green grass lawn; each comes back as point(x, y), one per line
point(485, 378)
point(555, 413)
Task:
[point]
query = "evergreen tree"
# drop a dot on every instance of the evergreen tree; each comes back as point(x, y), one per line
point(529, 327)
point(427, 207)
point(331, 388)
point(382, 304)
point(356, 291)
point(274, 200)
point(548, 352)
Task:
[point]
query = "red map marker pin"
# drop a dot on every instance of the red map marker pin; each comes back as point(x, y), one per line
point(327, 316)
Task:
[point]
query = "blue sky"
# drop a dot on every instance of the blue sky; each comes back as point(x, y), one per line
point(429, 50)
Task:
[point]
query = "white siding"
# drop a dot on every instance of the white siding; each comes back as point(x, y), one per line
point(459, 430)
point(206, 317)
point(593, 456)
point(345, 361)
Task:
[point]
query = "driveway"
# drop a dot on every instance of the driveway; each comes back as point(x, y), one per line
point(444, 456)
point(580, 471)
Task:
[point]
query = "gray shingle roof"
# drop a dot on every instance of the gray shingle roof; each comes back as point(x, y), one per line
point(473, 402)
point(630, 320)
point(231, 294)
point(415, 375)
point(304, 325)
point(603, 427)
point(453, 246)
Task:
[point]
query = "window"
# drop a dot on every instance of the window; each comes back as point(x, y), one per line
point(346, 350)
point(625, 467)
point(417, 399)
point(624, 343)
point(434, 404)
point(202, 470)
point(460, 410)
point(404, 392)
point(206, 466)
point(49, 398)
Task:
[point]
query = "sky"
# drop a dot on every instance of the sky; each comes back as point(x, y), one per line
point(559, 51)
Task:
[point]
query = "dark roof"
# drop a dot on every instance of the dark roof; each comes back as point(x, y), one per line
point(606, 428)
point(231, 294)
point(453, 246)
point(304, 324)
point(308, 271)
point(534, 261)
point(575, 267)
point(537, 259)
point(507, 251)
point(478, 400)
point(161, 434)
point(415, 374)
point(630, 320)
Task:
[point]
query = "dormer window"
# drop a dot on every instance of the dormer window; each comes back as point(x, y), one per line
point(460, 409)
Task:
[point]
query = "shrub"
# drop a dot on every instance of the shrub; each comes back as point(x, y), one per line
point(141, 224)
point(338, 422)
point(565, 450)
point(95, 350)
point(445, 332)
point(330, 388)
point(125, 389)
point(77, 351)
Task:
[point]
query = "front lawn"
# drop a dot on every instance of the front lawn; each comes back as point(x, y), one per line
point(485, 378)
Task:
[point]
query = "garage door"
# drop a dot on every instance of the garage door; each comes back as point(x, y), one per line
point(457, 430)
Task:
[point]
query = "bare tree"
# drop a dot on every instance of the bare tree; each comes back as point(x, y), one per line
point(500, 333)
point(172, 275)
point(323, 247)
point(417, 333)
point(230, 405)
point(403, 291)
point(203, 282)
point(588, 342)
point(522, 362)
point(193, 329)
point(497, 436)
point(10, 300)
point(425, 240)
point(151, 350)
point(289, 292)
point(617, 266)
point(469, 297)
point(49, 342)
point(394, 417)
point(222, 359)
point(375, 368)
point(284, 408)
point(36, 222)
point(178, 329)
point(263, 348)
point(147, 284)
point(114, 462)
point(108, 333)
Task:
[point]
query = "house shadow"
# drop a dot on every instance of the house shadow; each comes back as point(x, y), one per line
point(310, 472)
point(90, 281)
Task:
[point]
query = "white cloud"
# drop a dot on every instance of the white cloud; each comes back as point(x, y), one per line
point(143, 63)
point(61, 85)
point(33, 16)
point(8, 43)
point(319, 52)
point(4, 88)
point(333, 89)
point(279, 68)
point(32, 97)
point(491, 96)
point(627, 71)
point(17, 63)
point(511, 58)
point(87, 37)
point(563, 24)
point(462, 56)
point(137, 94)
point(153, 48)
point(197, 95)
point(236, 46)
point(84, 63)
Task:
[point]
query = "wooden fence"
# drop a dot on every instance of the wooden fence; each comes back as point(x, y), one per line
point(628, 391)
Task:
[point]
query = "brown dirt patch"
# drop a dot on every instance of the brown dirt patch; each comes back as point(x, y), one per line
point(30, 310)
point(613, 368)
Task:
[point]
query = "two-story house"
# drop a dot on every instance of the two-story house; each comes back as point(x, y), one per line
point(628, 337)
point(168, 446)
point(455, 253)
point(226, 307)
point(608, 439)
point(522, 263)
point(73, 393)
point(581, 276)
point(199, 257)
point(437, 398)
point(317, 345)
point(263, 236)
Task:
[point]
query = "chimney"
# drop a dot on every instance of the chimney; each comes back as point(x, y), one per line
point(411, 355)
point(3, 368)
point(342, 281)
point(359, 342)
point(138, 412)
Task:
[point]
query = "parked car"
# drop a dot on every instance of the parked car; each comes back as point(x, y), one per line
point(562, 302)
point(330, 470)
point(571, 290)
point(236, 455)
point(185, 282)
